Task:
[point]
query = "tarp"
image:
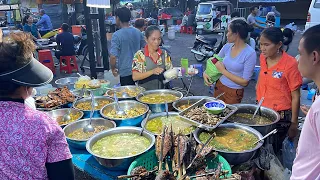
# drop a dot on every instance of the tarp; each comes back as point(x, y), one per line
point(266, 1)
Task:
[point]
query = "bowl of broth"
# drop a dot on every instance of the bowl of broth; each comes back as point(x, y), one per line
point(156, 99)
point(234, 142)
point(84, 105)
point(264, 121)
point(157, 121)
point(77, 138)
point(118, 147)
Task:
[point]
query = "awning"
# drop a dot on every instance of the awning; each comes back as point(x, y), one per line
point(266, 1)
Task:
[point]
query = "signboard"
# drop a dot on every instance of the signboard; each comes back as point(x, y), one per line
point(266, 1)
point(98, 3)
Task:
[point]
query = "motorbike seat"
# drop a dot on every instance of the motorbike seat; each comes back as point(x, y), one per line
point(77, 39)
point(212, 40)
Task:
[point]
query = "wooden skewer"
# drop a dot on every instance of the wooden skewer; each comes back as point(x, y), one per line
point(161, 149)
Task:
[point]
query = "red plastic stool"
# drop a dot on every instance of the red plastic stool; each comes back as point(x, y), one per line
point(45, 57)
point(190, 30)
point(68, 64)
point(183, 29)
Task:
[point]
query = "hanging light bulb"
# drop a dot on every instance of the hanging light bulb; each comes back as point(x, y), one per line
point(98, 3)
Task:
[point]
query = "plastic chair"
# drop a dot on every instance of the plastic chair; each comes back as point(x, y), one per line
point(68, 64)
point(190, 30)
point(183, 29)
point(45, 57)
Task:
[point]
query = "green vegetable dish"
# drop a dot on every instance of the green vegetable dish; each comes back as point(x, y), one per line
point(120, 145)
point(156, 125)
point(230, 139)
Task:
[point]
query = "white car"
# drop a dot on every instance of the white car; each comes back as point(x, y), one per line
point(313, 14)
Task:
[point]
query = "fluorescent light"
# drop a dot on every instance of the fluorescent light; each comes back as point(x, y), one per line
point(98, 3)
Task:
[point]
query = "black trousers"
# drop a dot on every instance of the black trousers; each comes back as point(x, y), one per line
point(126, 80)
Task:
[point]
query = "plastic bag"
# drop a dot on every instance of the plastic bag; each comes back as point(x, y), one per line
point(113, 80)
point(211, 69)
point(288, 153)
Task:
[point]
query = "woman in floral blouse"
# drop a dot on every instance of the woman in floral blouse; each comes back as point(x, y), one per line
point(149, 64)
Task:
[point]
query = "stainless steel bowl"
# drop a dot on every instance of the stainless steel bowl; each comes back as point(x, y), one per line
point(157, 108)
point(189, 99)
point(163, 114)
point(265, 112)
point(61, 112)
point(235, 158)
point(122, 163)
point(68, 81)
point(125, 96)
point(96, 112)
point(81, 144)
point(126, 105)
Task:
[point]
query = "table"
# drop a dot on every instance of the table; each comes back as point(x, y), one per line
point(86, 162)
point(49, 46)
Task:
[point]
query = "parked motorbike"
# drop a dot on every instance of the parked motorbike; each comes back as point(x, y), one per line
point(205, 46)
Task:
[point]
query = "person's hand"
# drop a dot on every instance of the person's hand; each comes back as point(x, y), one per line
point(293, 131)
point(206, 79)
point(115, 72)
point(220, 66)
point(157, 71)
point(304, 109)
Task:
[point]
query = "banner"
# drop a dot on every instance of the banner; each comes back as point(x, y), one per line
point(266, 1)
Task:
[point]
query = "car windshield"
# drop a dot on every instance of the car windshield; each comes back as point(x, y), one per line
point(204, 9)
point(317, 4)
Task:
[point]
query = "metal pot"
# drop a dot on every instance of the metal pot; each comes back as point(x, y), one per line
point(122, 163)
point(158, 108)
point(68, 81)
point(235, 158)
point(61, 112)
point(87, 112)
point(125, 105)
point(190, 99)
point(81, 144)
point(125, 96)
point(163, 114)
point(265, 112)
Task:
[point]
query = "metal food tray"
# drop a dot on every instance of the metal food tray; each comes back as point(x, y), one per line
point(53, 108)
point(201, 102)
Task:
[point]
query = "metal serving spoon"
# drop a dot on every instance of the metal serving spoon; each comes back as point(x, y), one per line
point(259, 105)
point(119, 111)
point(264, 137)
point(149, 112)
point(89, 127)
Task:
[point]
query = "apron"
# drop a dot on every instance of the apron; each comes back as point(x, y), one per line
point(153, 81)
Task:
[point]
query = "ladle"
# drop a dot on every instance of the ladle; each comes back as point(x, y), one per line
point(219, 96)
point(264, 137)
point(119, 111)
point(259, 105)
point(149, 113)
point(167, 110)
point(67, 116)
point(89, 127)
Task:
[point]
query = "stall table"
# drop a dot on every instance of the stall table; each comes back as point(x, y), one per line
point(84, 161)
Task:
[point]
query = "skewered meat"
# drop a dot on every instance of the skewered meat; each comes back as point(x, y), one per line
point(143, 174)
point(166, 146)
point(181, 148)
point(202, 171)
point(165, 175)
point(191, 153)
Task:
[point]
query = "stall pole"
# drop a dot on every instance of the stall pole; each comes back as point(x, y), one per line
point(88, 23)
point(103, 38)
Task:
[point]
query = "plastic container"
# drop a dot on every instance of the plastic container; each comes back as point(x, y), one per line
point(162, 30)
point(200, 69)
point(185, 64)
point(171, 33)
point(311, 93)
point(256, 73)
point(288, 153)
point(149, 160)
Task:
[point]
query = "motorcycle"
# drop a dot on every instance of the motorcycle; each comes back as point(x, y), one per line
point(205, 46)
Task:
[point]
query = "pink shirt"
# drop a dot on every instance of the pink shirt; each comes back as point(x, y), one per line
point(28, 140)
point(307, 162)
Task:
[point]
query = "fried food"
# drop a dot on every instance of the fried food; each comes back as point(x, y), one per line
point(55, 98)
